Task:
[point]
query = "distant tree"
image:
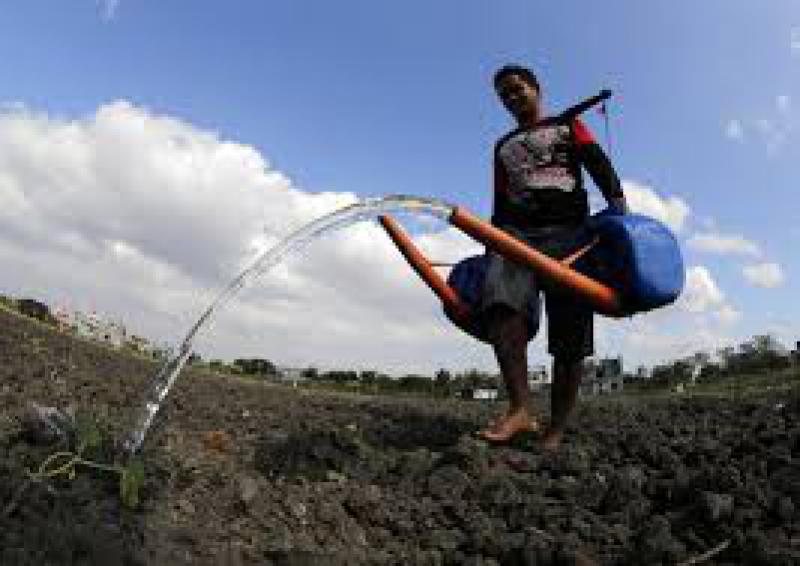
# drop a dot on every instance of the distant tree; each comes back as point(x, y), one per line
point(340, 376)
point(682, 370)
point(310, 373)
point(385, 382)
point(473, 379)
point(663, 374)
point(413, 382)
point(710, 372)
point(760, 354)
point(767, 343)
point(368, 377)
point(443, 379)
point(256, 366)
point(36, 309)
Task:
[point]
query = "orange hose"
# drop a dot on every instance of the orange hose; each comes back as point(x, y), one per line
point(450, 299)
point(603, 298)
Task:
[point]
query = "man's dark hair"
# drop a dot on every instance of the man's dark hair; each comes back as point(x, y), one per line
point(523, 72)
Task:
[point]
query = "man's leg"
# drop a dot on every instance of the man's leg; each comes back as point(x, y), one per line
point(567, 374)
point(508, 333)
point(570, 332)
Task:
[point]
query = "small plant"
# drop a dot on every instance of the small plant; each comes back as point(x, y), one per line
point(64, 464)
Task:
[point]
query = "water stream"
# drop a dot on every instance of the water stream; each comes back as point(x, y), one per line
point(368, 209)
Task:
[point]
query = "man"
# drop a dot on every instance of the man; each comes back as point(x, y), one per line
point(539, 198)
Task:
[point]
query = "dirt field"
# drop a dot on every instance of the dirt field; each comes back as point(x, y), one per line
point(246, 473)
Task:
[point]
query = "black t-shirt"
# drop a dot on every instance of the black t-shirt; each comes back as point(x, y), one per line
point(538, 179)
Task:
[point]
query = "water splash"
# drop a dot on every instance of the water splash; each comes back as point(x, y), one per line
point(368, 209)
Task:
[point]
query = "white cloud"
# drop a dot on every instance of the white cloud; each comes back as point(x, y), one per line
point(728, 315)
point(108, 8)
point(724, 244)
point(774, 132)
point(671, 210)
point(794, 41)
point(657, 342)
point(701, 293)
point(734, 130)
point(147, 218)
point(768, 275)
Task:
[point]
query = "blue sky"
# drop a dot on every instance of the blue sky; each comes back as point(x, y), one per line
point(394, 97)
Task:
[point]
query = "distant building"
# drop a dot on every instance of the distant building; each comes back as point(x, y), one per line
point(63, 318)
point(113, 333)
point(538, 379)
point(484, 394)
point(291, 375)
point(642, 373)
point(90, 325)
point(480, 393)
point(604, 376)
point(696, 371)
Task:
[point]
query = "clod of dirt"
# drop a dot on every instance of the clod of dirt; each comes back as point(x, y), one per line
point(217, 440)
point(716, 506)
point(45, 426)
point(247, 489)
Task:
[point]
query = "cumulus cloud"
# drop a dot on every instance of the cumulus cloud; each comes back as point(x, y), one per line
point(734, 130)
point(146, 217)
point(671, 210)
point(701, 293)
point(767, 275)
point(657, 342)
point(108, 8)
point(724, 244)
point(701, 320)
point(728, 315)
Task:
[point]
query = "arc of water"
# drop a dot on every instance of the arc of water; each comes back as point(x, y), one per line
point(368, 209)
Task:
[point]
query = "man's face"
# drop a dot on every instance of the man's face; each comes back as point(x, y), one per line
point(519, 96)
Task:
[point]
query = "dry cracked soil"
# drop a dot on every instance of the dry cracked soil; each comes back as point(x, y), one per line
point(240, 472)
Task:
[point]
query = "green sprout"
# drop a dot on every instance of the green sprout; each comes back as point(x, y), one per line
point(88, 438)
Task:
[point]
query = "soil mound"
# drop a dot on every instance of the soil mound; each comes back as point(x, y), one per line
point(307, 477)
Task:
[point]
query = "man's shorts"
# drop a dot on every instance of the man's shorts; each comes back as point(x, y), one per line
point(570, 324)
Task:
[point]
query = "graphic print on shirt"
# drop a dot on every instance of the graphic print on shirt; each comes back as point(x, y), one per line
point(539, 159)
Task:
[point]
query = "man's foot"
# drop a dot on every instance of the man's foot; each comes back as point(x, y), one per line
point(508, 426)
point(551, 440)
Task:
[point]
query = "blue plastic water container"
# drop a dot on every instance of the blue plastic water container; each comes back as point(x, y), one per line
point(466, 278)
point(636, 255)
